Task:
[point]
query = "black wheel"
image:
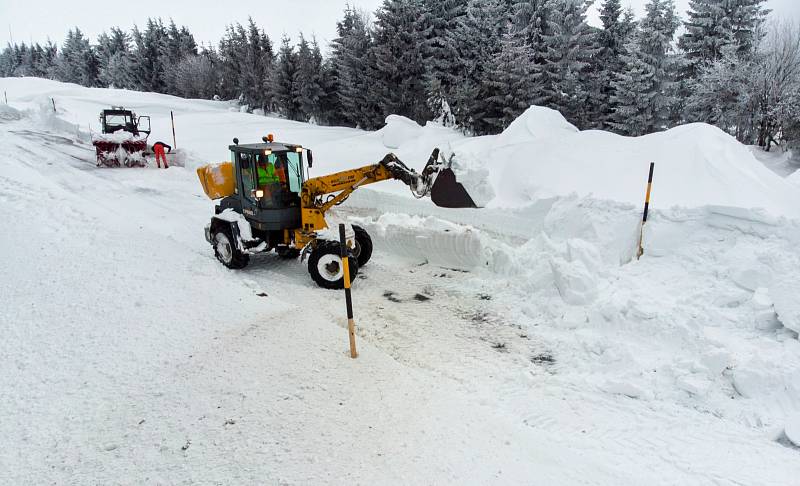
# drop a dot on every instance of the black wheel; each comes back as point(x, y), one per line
point(225, 250)
point(287, 252)
point(363, 247)
point(325, 265)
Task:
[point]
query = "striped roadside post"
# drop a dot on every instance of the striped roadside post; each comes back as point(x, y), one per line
point(351, 324)
point(172, 118)
point(640, 252)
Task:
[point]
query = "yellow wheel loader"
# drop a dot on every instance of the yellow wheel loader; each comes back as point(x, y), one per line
point(267, 202)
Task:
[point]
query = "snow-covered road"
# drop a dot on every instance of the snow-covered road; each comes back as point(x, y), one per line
point(503, 346)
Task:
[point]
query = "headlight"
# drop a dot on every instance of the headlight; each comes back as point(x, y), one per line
point(259, 194)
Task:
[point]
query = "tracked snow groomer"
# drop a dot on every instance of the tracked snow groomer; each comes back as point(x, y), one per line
point(267, 202)
point(123, 138)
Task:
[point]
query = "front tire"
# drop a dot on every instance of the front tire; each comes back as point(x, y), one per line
point(226, 251)
point(363, 246)
point(325, 265)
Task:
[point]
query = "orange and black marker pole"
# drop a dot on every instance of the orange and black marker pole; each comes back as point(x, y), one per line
point(351, 324)
point(646, 209)
point(172, 118)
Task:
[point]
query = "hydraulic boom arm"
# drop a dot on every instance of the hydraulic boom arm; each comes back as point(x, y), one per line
point(436, 180)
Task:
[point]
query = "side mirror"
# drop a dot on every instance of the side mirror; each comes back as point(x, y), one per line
point(235, 141)
point(310, 159)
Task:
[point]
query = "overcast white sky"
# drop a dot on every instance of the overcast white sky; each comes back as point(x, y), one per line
point(38, 20)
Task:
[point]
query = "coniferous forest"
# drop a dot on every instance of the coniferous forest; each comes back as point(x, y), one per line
point(471, 64)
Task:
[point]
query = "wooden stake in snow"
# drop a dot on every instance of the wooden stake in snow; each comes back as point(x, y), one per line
point(640, 251)
point(54, 104)
point(351, 324)
point(172, 117)
point(5, 96)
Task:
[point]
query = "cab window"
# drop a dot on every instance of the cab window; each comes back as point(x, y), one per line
point(295, 172)
point(248, 179)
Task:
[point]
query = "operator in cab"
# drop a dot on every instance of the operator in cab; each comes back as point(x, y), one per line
point(271, 178)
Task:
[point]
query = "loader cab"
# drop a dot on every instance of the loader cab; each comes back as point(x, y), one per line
point(269, 179)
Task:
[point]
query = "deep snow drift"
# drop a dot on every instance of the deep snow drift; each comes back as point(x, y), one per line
point(542, 155)
point(513, 344)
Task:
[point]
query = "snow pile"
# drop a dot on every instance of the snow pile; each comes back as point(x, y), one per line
point(120, 136)
point(541, 155)
point(398, 131)
point(537, 123)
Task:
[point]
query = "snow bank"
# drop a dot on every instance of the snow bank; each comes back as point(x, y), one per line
point(541, 155)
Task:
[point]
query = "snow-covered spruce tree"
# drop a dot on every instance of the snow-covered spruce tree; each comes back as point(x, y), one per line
point(330, 109)
point(714, 24)
point(198, 76)
point(569, 44)
point(24, 60)
point(283, 81)
point(509, 83)
point(308, 90)
point(717, 32)
point(514, 80)
point(350, 53)
point(232, 56)
point(147, 72)
point(618, 26)
point(645, 89)
point(76, 62)
point(399, 53)
point(477, 38)
point(113, 51)
point(443, 62)
point(720, 94)
point(177, 45)
point(256, 68)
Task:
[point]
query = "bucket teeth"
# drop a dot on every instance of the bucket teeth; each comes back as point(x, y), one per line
point(449, 193)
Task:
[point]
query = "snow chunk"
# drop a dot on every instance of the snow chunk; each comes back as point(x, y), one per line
point(716, 361)
point(792, 428)
point(575, 283)
point(694, 383)
point(785, 291)
point(752, 277)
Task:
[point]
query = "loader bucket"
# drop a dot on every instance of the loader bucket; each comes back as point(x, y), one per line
point(449, 193)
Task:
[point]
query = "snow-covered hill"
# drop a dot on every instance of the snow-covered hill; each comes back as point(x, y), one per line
point(507, 345)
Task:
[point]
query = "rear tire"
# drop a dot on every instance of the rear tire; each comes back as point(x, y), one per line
point(363, 246)
point(226, 251)
point(325, 265)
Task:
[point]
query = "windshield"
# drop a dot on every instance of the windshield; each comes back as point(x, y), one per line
point(286, 167)
point(118, 122)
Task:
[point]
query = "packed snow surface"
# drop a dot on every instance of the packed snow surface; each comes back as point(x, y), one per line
point(516, 344)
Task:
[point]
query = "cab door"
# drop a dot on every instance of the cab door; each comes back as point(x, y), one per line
point(247, 179)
